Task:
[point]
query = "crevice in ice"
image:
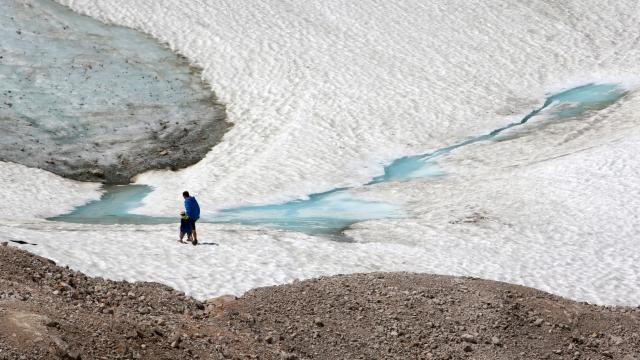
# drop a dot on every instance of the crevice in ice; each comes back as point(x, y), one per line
point(96, 102)
point(332, 211)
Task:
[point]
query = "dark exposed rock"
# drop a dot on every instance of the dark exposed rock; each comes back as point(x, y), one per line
point(115, 102)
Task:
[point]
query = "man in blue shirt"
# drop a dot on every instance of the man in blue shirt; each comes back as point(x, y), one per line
point(192, 209)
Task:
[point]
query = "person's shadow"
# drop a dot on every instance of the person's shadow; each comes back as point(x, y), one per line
point(209, 243)
point(22, 242)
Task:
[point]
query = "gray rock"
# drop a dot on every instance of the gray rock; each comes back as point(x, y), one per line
point(60, 345)
point(135, 334)
point(616, 340)
point(469, 338)
point(158, 331)
point(496, 341)
point(144, 310)
point(74, 355)
point(175, 340)
point(288, 356)
point(269, 339)
point(52, 323)
point(60, 348)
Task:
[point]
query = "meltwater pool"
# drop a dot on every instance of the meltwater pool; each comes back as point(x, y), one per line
point(332, 211)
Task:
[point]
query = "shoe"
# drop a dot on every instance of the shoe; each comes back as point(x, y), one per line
point(195, 242)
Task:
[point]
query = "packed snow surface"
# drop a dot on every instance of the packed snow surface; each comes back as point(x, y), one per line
point(324, 94)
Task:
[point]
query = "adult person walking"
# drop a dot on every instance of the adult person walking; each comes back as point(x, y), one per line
point(192, 209)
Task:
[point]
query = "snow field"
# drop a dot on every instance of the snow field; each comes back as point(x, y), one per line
point(564, 221)
point(323, 93)
point(239, 260)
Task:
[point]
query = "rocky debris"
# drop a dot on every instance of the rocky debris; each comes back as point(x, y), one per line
point(218, 304)
point(419, 316)
point(361, 316)
point(51, 312)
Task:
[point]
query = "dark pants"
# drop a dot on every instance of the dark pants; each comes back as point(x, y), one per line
point(193, 224)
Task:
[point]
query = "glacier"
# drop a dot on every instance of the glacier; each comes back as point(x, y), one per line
point(97, 102)
point(323, 95)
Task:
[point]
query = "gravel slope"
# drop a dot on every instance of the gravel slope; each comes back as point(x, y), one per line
point(49, 312)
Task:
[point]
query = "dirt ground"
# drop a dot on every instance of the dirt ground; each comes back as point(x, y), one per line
point(50, 312)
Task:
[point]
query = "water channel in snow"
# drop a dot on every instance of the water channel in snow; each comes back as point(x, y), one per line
point(332, 211)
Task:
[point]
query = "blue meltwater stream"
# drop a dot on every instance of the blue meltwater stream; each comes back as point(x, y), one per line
point(332, 211)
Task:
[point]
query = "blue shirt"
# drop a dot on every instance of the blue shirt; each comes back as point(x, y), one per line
point(192, 208)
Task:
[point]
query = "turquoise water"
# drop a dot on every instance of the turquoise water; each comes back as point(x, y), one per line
point(321, 213)
point(114, 207)
point(566, 104)
point(325, 213)
point(332, 211)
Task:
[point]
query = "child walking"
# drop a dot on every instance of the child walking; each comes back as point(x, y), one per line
point(185, 228)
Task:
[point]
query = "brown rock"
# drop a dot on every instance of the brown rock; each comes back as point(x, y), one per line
point(122, 348)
